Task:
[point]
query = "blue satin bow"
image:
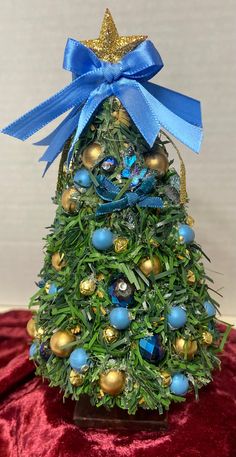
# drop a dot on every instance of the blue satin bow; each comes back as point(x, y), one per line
point(109, 191)
point(150, 106)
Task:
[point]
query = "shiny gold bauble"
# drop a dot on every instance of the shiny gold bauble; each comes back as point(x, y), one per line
point(148, 266)
point(76, 379)
point(91, 154)
point(112, 382)
point(157, 161)
point(166, 378)
point(87, 286)
point(30, 327)
point(58, 261)
point(120, 244)
point(58, 340)
point(68, 201)
point(185, 348)
point(110, 334)
point(207, 338)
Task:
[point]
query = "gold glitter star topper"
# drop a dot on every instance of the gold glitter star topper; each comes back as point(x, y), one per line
point(110, 46)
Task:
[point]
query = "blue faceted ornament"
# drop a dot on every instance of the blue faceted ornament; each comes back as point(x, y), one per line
point(82, 178)
point(121, 292)
point(209, 308)
point(41, 283)
point(119, 318)
point(109, 164)
point(179, 384)
point(186, 233)
point(33, 350)
point(151, 349)
point(102, 239)
point(45, 352)
point(79, 360)
point(177, 317)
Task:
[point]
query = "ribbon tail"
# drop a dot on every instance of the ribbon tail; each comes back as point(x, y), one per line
point(177, 113)
point(151, 202)
point(106, 208)
point(96, 97)
point(59, 139)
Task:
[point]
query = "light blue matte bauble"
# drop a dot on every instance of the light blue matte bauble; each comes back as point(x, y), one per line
point(82, 178)
point(177, 317)
point(210, 309)
point(179, 384)
point(52, 289)
point(187, 233)
point(79, 360)
point(119, 318)
point(102, 239)
point(33, 350)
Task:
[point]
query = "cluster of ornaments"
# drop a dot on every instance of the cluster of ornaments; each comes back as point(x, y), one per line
point(63, 342)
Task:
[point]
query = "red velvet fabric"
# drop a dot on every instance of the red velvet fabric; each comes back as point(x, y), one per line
point(34, 422)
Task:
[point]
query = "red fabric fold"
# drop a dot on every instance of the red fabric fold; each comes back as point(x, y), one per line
point(34, 422)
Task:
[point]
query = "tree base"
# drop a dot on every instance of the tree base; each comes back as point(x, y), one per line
point(88, 416)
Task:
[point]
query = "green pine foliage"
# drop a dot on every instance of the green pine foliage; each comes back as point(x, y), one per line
point(149, 232)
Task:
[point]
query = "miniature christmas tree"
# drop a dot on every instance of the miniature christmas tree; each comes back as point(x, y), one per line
point(122, 311)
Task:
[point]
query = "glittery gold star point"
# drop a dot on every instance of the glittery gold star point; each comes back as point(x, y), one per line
point(110, 46)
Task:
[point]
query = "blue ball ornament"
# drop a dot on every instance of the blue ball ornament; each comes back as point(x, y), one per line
point(79, 360)
point(119, 318)
point(177, 317)
point(151, 349)
point(82, 178)
point(102, 239)
point(209, 308)
point(186, 233)
point(33, 350)
point(179, 384)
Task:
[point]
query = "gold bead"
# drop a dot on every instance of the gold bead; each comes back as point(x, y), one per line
point(68, 200)
point(120, 244)
point(30, 327)
point(157, 161)
point(154, 243)
point(91, 154)
point(181, 239)
point(190, 221)
point(207, 338)
point(76, 379)
point(100, 293)
point(58, 261)
point(122, 117)
point(112, 382)
point(191, 277)
point(87, 286)
point(47, 287)
point(58, 340)
point(39, 332)
point(185, 348)
point(110, 334)
point(166, 378)
point(76, 330)
point(148, 266)
point(100, 277)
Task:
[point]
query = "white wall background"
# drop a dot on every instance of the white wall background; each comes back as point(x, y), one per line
point(196, 40)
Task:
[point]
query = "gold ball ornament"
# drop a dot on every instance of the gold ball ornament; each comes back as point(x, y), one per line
point(148, 265)
point(185, 348)
point(166, 378)
point(112, 382)
point(58, 261)
point(120, 244)
point(30, 327)
point(87, 286)
point(91, 155)
point(110, 334)
point(58, 340)
point(68, 200)
point(157, 161)
point(207, 338)
point(76, 379)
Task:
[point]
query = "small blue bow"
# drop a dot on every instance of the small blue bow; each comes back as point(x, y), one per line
point(150, 106)
point(109, 191)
